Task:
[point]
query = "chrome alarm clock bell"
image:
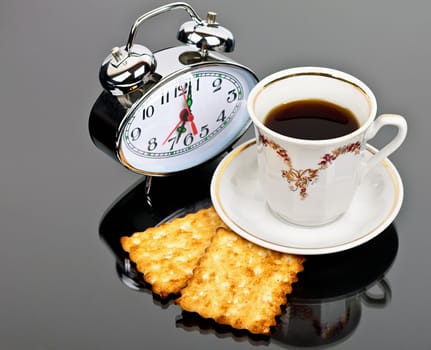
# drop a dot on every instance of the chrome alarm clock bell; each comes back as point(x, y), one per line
point(168, 111)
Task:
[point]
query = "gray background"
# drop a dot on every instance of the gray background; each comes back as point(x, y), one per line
point(58, 287)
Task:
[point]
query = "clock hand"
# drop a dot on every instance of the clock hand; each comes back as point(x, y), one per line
point(188, 101)
point(191, 118)
point(189, 95)
point(189, 104)
point(185, 115)
point(180, 125)
point(173, 130)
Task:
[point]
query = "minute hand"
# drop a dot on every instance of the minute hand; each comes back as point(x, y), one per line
point(188, 101)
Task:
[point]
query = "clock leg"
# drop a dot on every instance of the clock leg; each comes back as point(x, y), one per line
point(148, 182)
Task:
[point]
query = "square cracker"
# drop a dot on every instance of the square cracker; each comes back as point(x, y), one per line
point(240, 284)
point(167, 254)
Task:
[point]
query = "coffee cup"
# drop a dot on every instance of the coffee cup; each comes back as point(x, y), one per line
point(312, 125)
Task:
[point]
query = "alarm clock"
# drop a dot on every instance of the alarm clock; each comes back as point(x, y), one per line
point(168, 111)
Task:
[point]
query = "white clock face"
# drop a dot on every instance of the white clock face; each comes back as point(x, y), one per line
point(187, 120)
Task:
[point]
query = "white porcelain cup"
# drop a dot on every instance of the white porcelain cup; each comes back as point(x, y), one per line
point(312, 182)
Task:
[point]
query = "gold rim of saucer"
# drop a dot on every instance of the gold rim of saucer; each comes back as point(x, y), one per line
point(383, 222)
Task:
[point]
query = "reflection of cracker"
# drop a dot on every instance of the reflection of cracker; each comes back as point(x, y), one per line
point(167, 254)
point(240, 284)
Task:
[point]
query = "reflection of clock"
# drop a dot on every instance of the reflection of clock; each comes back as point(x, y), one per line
point(172, 110)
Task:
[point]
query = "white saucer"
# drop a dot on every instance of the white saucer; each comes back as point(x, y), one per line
point(238, 199)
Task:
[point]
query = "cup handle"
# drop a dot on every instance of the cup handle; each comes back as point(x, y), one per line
point(386, 119)
point(378, 301)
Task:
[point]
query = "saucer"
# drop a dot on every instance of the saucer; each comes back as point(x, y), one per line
point(238, 199)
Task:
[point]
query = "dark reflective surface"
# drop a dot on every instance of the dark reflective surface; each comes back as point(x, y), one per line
point(61, 197)
point(326, 304)
point(154, 200)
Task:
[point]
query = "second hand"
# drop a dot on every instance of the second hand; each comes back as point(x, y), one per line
point(179, 127)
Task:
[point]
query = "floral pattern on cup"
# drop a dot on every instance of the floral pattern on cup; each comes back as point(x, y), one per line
point(301, 179)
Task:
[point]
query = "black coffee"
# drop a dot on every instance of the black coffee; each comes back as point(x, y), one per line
point(311, 119)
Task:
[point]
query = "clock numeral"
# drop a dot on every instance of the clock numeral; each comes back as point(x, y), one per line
point(165, 98)
point(152, 144)
point(136, 132)
point(217, 84)
point(188, 140)
point(204, 131)
point(173, 141)
point(232, 96)
point(148, 112)
point(222, 116)
point(181, 90)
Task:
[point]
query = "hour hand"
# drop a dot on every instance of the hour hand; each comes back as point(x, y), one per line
point(180, 125)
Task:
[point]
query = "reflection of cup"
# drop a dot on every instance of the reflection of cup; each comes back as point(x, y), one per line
point(312, 182)
point(327, 302)
point(327, 321)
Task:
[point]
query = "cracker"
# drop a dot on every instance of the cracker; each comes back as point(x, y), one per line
point(167, 254)
point(240, 284)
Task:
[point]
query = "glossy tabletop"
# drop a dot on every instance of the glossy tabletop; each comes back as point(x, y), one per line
point(65, 282)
